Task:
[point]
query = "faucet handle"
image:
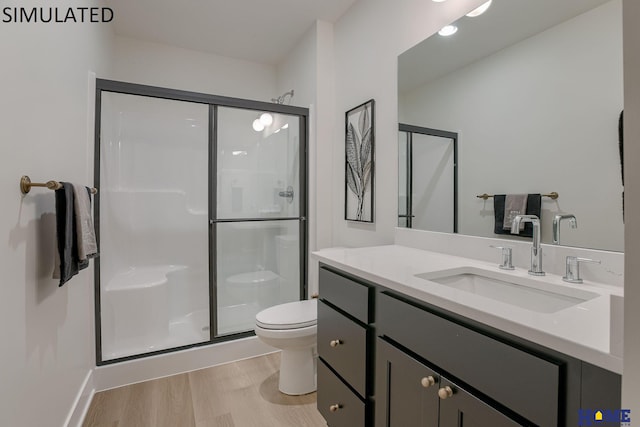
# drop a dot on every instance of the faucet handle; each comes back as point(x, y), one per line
point(572, 274)
point(507, 258)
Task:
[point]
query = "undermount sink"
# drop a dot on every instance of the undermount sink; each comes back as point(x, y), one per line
point(522, 292)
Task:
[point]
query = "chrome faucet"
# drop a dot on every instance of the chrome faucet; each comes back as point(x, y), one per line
point(507, 258)
point(573, 268)
point(536, 250)
point(573, 223)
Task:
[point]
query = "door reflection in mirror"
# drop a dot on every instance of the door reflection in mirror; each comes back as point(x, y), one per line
point(427, 193)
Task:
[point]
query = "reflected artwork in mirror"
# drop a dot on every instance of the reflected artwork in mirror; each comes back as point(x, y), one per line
point(533, 91)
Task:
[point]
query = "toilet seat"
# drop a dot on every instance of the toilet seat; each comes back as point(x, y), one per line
point(293, 315)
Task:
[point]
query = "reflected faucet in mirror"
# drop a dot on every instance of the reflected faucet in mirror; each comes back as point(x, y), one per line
point(573, 223)
point(536, 249)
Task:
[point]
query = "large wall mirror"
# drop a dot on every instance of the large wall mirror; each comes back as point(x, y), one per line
point(533, 90)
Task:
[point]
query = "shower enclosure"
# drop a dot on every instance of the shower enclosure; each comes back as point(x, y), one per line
point(200, 216)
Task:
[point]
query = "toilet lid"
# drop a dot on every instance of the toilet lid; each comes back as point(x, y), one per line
point(292, 315)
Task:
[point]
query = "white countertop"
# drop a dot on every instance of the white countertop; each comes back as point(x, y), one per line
point(589, 331)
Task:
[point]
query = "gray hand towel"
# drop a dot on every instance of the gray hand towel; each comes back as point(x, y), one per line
point(67, 263)
point(86, 236)
point(514, 204)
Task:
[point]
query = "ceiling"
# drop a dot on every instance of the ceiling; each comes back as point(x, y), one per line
point(261, 31)
point(505, 23)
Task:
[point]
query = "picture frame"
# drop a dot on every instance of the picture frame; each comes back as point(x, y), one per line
point(360, 162)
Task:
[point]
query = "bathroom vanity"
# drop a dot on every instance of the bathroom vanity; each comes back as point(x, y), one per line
point(408, 337)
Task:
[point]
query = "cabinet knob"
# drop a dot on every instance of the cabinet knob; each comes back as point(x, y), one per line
point(334, 408)
point(335, 343)
point(445, 392)
point(427, 381)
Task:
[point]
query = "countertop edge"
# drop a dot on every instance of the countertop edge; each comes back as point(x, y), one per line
point(587, 354)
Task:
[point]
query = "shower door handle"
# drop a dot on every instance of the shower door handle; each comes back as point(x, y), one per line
point(288, 194)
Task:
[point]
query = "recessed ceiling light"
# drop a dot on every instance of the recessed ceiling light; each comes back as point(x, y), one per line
point(448, 30)
point(479, 10)
point(438, 1)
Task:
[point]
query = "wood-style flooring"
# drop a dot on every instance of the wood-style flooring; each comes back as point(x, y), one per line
point(238, 394)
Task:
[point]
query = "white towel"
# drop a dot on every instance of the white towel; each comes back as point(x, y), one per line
point(87, 246)
point(514, 204)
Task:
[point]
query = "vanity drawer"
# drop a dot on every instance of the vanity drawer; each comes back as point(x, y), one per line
point(346, 294)
point(496, 369)
point(348, 354)
point(331, 391)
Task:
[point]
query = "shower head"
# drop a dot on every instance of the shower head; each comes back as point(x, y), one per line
point(281, 99)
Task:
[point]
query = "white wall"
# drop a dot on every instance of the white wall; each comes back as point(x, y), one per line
point(325, 111)
point(535, 148)
point(298, 71)
point(631, 377)
point(172, 67)
point(47, 332)
point(368, 40)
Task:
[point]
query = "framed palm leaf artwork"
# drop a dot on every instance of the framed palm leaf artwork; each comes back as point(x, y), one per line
point(359, 162)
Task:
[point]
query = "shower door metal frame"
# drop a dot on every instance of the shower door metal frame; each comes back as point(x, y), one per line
point(213, 102)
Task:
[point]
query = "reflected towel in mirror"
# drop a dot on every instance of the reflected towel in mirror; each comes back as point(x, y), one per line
point(514, 204)
point(533, 208)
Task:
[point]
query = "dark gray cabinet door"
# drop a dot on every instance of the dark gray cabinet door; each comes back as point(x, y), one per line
point(405, 394)
point(526, 383)
point(461, 409)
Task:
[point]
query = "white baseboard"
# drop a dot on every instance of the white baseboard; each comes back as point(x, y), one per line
point(81, 404)
point(148, 368)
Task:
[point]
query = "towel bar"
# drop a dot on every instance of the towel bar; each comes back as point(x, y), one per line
point(26, 184)
point(553, 195)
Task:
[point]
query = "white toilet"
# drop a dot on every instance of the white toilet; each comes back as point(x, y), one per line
point(291, 327)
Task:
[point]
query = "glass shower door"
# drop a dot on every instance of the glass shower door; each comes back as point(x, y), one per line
point(153, 213)
point(258, 215)
point(200, 217)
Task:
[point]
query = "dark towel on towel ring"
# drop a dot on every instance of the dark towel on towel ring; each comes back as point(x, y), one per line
point(533, 208)
point(67, 234)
